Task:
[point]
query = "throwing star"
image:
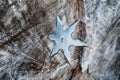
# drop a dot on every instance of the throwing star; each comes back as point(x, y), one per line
point(63, 39)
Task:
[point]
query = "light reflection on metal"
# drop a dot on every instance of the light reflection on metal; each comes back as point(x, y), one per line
point(63, 39)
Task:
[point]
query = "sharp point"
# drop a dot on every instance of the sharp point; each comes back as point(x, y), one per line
point(58, 19)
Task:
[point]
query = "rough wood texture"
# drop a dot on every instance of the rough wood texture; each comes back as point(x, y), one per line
point(25, 47)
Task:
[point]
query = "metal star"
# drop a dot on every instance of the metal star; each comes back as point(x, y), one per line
point(63, 39)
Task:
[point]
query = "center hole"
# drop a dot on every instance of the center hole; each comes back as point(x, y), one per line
point(62, 39)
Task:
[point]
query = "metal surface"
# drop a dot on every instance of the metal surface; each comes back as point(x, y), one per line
point(63, 39)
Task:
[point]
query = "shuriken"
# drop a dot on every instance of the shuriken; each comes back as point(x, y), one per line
point(63, 39)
